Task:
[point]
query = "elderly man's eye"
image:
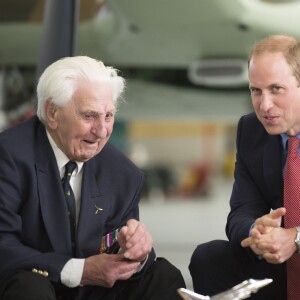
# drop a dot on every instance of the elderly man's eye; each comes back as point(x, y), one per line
point(109, 115)
point(88, 115)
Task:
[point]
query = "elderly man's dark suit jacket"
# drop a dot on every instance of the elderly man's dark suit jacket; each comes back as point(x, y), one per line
point(34, 225)
point(258, 185)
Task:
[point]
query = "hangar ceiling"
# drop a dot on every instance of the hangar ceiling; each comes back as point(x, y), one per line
point(32, 10)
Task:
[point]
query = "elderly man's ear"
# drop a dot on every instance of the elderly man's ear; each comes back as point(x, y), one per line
point(50, 114)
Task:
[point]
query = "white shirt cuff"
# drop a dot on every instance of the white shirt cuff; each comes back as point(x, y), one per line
point(72, 272)
point(141, 266)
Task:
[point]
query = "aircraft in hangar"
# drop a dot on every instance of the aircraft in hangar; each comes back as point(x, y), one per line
point(202, 43)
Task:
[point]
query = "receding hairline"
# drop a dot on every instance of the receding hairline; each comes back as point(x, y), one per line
point(273, 44)
point(286, 45)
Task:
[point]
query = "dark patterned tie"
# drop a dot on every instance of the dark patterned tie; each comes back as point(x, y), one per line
point(292, 217)
point(70, 167)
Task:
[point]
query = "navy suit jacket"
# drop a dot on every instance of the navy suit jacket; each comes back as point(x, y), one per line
point(258, 181)
point(34, 225)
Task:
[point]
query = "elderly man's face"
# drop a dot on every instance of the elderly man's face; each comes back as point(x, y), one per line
point(83, 127)
point(275, 93)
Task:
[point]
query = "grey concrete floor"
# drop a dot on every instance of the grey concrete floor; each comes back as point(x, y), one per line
point(179, 225)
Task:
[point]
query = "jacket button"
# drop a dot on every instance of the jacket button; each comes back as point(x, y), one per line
point(45, 274)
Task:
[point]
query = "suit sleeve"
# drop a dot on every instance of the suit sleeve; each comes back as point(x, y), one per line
point(133, 213)
point(247, 201)
point(15, 254)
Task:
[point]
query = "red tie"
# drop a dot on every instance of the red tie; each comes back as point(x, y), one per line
point(292, 217)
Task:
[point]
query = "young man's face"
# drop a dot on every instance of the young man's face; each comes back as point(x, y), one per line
point(275, 93)
point(83, 127)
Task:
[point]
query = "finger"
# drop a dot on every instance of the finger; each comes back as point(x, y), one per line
point(267, 247)
point(112, 257)
point(257, 231)
point(278, 213)
point(126, 266)
point(124, 269)
point(122, 236)
point(132, 226)
point(268, 221)
point(272, 258)
point(127, 274)
point(137, 238)
point(136, 253)
point(140, 232)
point(123, 231)
point(273, 219)
point(141, 249)
point(247, 242)
point(257, 251)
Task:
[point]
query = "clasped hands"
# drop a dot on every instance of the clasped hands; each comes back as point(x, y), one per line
point(269, 240)
point(105, 269)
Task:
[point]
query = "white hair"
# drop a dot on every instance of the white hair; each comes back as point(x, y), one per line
point(58, 81)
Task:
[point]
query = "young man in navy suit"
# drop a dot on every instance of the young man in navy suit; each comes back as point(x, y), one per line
point(259, 244)
point(85, 242)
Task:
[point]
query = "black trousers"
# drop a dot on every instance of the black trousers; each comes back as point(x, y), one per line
point(160, 282)
point(219, 265)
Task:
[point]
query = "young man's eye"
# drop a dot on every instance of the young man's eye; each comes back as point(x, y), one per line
point(254, 91)
point(276, 88)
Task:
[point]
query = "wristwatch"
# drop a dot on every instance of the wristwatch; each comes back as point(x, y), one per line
point(297, 240)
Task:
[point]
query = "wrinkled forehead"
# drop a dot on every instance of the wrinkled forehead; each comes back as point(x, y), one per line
point(94, 96)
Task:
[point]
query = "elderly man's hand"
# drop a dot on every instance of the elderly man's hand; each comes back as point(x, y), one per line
point(105, 269)
point(135, 240)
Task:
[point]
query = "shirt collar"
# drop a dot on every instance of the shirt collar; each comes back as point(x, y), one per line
point(61, 157)
point(284, 138)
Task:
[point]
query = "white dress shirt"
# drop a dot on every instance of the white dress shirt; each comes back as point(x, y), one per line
point(72, 271)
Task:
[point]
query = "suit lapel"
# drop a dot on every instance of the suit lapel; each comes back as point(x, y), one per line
point(52, 200)
point(94, 211)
